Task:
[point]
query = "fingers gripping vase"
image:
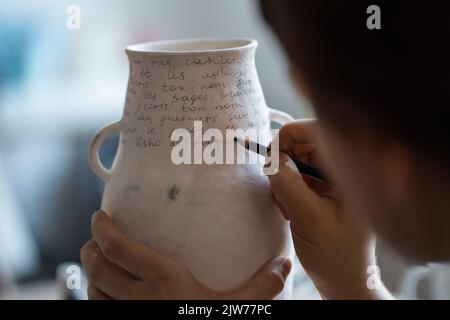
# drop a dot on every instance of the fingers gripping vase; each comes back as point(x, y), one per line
point(218, 220)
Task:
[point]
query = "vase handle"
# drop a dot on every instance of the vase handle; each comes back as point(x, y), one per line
point(94, 146)
point(279, 116)
point(412, 280)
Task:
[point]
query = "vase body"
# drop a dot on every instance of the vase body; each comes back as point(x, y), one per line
point(219, 220)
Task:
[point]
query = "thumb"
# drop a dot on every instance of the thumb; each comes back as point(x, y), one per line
point(268, 282)
point(298, 202)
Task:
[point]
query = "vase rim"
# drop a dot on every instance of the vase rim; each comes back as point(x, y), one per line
point(192, 46)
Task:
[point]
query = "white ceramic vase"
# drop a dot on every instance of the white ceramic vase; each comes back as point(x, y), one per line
point(218, 220)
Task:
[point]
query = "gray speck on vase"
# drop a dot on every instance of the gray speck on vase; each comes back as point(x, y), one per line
point(173, 191)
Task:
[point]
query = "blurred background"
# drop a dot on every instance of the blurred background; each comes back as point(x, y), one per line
point(59, 85)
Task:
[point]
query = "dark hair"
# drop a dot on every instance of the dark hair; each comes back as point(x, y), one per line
point(395, 79)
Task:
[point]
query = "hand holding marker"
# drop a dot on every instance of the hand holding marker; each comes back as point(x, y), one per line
point(303, 167)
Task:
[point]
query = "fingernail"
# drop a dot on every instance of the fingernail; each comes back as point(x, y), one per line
point(287, 265)
point(95, 217)
point(283, 266)
point(291, 164)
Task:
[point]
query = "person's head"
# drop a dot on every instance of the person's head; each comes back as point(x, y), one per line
point(382, 97)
